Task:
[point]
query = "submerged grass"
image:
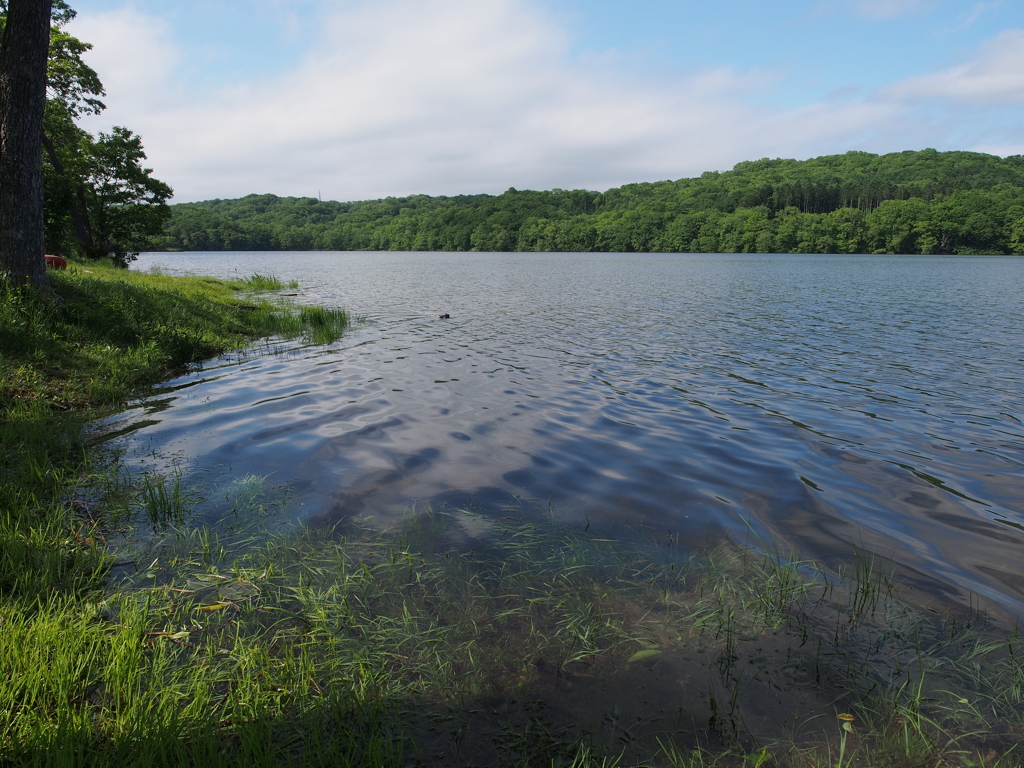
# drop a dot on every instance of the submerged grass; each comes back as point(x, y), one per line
point(466, 639)
point(61, 363)
point(137, 628)
point(112, 332)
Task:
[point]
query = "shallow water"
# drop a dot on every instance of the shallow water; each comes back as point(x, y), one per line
point(826, 401)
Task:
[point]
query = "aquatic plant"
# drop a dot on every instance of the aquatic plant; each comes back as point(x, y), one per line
point(258, 282)
point(466, 637)
point(149, 621)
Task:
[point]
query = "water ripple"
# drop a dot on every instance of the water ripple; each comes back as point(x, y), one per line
point(826, 401)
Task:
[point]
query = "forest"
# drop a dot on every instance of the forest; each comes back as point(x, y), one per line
point(914, 202)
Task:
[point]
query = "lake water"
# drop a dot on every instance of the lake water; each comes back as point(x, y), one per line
point(830, 402)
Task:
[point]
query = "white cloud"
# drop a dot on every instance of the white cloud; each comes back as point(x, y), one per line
point(132, 53)
point(979, 10)
point(453, 96)
point(994, 77)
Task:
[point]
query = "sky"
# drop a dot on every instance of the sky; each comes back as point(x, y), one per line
point(362, 99)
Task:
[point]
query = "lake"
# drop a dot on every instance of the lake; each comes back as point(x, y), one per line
point(825, 403)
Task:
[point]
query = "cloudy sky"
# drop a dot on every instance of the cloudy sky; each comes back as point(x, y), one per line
point(358, 99)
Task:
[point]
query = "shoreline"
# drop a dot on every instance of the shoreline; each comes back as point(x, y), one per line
point(375, 648)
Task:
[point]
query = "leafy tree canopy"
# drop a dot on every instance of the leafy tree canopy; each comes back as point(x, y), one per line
point(905, 202)
point(99, 199)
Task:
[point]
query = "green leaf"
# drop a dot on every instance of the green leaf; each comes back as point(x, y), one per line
point(645, 655)
point(214, 607)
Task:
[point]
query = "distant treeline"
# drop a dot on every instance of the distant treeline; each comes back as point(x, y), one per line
point(905, 202)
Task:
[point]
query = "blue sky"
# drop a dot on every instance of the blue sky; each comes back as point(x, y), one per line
point(354, 99)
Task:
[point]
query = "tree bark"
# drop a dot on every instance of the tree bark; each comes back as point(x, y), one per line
point(23, 57)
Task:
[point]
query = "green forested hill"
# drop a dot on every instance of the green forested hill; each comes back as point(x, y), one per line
point(905, 202)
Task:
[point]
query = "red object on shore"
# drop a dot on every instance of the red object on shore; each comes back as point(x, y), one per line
point(55, 262)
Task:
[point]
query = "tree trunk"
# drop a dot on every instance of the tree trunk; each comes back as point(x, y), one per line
point(23, 57)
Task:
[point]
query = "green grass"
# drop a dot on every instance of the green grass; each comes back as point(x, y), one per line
point(112, 333)
point(118, 330)
point(258, 282)
point(61, 363)
point(515, 644)
point(149, 621)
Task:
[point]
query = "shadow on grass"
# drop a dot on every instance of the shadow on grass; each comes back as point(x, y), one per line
point(466, 638)
point(118, 330)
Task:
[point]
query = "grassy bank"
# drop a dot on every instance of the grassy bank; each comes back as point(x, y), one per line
point(155, 621)
point(119, 330)
point(62, 363)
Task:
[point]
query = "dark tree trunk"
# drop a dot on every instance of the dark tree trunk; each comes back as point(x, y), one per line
point(23, 55)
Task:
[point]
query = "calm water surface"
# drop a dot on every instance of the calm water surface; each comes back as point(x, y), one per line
point(828, 401)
